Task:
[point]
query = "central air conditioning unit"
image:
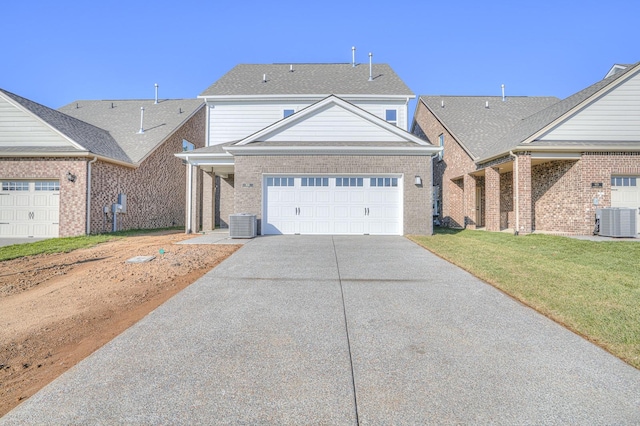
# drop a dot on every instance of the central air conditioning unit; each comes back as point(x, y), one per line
point(617, 222)
point(243, 225)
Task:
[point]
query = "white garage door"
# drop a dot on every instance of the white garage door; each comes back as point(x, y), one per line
point(332, 205)
point(625, 192)
point(29, 208)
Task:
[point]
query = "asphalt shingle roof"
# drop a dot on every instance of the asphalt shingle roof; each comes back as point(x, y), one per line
point(121, 119)
point(308, 79)
point(474, 125)
point(534, 123)
point(92, 138)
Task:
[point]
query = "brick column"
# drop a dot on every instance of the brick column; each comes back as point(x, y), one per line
point(208, 201)
point(470, 201)
point(522, 193)
point(492, 199)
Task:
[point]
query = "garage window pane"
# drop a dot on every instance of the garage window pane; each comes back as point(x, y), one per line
point(632, 181)
point(352, 182)
point(625, 181)
point(338, 181)
point(360, 181)
point(15, 186)
point(394, 181)
point(47, 186)
point(325, 181)
point(304, 181)
point(290, 181)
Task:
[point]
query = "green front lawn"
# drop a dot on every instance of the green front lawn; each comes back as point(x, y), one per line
point(593, 288)
point(66, 245)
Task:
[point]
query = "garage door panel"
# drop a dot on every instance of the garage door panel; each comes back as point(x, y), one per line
point(30, 208)
point(625, 192)
point(333, 205)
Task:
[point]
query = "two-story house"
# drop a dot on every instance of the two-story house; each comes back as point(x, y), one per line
point(311, 149)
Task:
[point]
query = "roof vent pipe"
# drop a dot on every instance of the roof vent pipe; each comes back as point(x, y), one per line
point(442, 103)
point(486, 104)
point(353, 56)
point(370, 66)
point(156, 93)
point(141, 120)
point(291, 68)
point(264, 78)
point(503, 93)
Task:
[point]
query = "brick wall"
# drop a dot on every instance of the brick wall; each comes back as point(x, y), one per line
point(417, 199)
point(73, 195)
point(507, 215)
point(226, 199)
point(455, 207)
point(156, 190)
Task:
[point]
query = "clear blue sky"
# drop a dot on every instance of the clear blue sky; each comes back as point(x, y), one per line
point(56, 52)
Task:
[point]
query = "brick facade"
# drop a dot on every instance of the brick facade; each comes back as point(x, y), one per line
point(417, 217)
point(73, 195)
point(156, 190)
point(458, 205)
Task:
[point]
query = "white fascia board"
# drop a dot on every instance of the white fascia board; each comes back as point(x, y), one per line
point(300, 116)
point(556, 155)
point(69, 154)
point(334, 150)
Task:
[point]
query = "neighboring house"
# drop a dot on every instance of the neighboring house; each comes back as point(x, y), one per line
point(62, 171)
point(536, 164)
point(312, 149)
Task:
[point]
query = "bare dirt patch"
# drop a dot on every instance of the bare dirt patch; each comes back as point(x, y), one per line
point(55, 310)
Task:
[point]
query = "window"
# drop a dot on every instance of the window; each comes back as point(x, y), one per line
point(287, 112)
point(47, 185)
point(315, 181)
point(349, 181)
point(15, 186)
point(280, 181)
point(441, 144)
point(391, 115)
point(383, 182)
point(623, 181)
point(187, 146)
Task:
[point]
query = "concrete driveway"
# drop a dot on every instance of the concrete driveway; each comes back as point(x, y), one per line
point(341, 331)
point(11, 241)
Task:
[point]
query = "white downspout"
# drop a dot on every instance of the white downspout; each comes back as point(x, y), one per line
point(189, 195)
point(89, 163)
point(517, 191)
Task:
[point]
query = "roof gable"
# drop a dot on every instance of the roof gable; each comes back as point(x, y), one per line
point(308, 79)
point(332, 120)
point(474, 121)
point(121, 118)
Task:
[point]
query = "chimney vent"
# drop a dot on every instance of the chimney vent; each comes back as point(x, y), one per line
point(370, 66)
point(486, 104)
point(291, 68)
point(141, 120)
point(442, 103)
point(156, 93)
point(353, 56)
point(264, 78)
point(503, 98)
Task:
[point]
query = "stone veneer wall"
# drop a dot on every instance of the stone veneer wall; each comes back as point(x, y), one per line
point(417, 199)
point(156, 190)
point(456, 207)
point(73, 195)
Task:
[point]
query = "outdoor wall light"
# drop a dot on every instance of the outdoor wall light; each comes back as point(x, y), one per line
point(71, 177)
point(418, 180)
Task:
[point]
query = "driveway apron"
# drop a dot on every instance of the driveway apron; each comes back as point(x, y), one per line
point(340, 330)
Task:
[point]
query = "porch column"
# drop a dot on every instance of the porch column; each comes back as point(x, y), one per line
point(492, 199)
point(470, 202)
point(208, 201)
point(522, 194)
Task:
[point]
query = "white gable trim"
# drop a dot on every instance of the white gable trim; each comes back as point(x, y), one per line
point(606, 89)
point(333, 150)
point(38, 118)
point(331, 100)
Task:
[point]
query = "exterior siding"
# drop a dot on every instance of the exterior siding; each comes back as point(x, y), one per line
point(18, 128)
point(156, 190)
point(417, 199)
point(333, 124)
point(73, 195)
point(613, 117)
point(230, 121)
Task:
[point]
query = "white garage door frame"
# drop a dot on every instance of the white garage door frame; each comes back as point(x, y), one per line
point(29, 208)
point(333, 204)
point(625, 192)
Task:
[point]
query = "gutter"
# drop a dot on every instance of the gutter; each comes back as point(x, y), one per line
point(89, 163)
point(332, 150)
